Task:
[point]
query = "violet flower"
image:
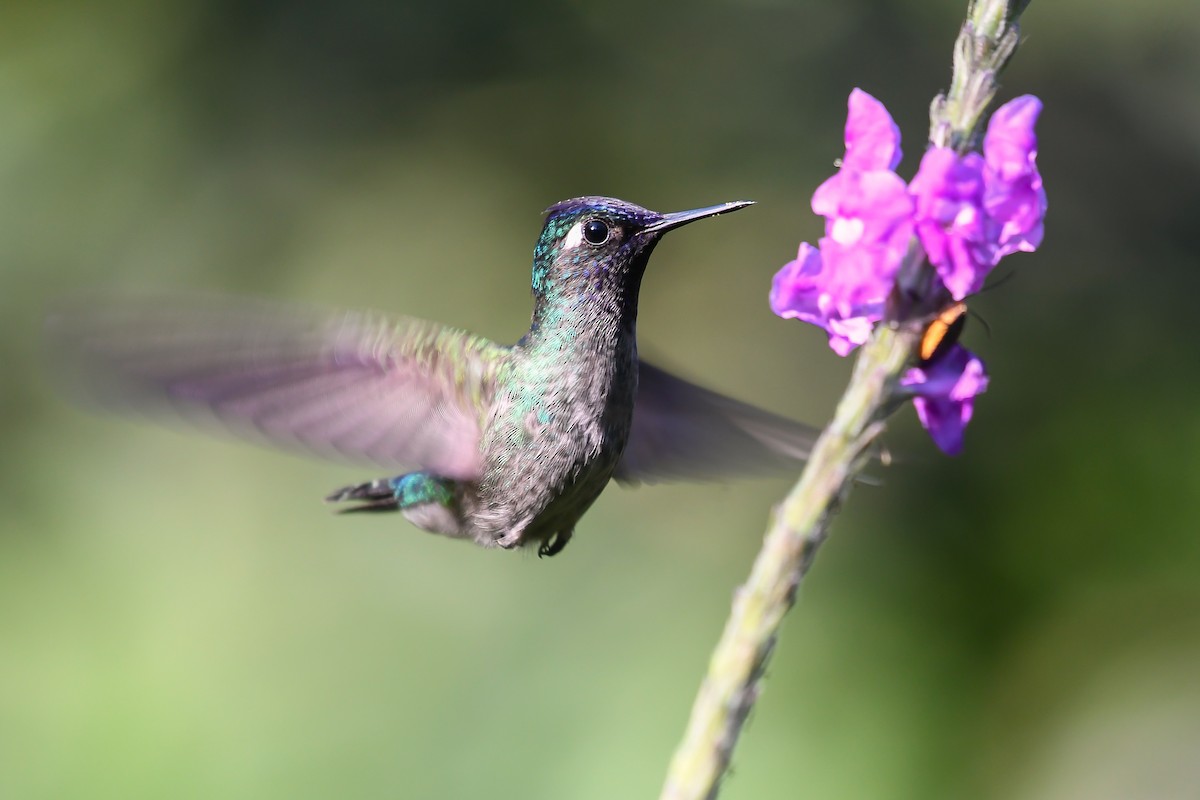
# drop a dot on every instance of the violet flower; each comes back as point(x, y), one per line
point(868, 214)
point(966, 212)
point(973, 210)
point(944, 395)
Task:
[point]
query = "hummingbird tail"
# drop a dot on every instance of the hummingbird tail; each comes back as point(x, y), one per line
point(375, 495)
point(429, 501)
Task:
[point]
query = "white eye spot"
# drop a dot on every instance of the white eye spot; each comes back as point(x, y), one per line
point(574, 237)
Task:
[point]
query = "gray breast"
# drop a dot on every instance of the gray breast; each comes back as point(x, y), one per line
point(551, 451)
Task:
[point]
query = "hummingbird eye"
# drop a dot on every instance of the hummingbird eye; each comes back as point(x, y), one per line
point(595, 231)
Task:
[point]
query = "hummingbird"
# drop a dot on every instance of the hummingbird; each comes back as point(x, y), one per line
point(504, 445)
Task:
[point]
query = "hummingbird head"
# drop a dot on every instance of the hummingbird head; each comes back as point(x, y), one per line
point(597, 247)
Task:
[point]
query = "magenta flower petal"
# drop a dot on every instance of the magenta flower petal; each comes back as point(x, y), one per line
point(1015, 199)
point(1010, 145)
point(945, 394)
point(950, 222)
point(867, 209)
point(872, 137)
point(868, 226)
point(810, 289)
point(794, 292)
point(847, 334)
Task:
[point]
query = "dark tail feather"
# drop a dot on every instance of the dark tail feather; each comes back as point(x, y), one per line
point(377, 495)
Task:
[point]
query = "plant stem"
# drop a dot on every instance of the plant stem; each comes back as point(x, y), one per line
point(798, 527)
point(985, 44)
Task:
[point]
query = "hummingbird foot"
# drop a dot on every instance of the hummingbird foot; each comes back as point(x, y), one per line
point(554, 545)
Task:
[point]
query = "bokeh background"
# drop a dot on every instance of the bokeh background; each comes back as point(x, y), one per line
point(181, 617)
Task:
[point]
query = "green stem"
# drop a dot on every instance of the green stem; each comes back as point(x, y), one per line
point(798, 527)
point(987, 41)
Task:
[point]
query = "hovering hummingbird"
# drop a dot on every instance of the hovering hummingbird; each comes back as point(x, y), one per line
point(507, 445)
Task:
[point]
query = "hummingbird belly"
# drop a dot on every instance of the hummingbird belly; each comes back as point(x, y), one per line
point(561, 463)
point(568, 504)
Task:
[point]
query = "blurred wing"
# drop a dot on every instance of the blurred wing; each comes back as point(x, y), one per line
point(396, 392)
point(683, 431)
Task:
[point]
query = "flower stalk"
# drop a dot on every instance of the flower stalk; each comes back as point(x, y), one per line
point(987, 41)
point(798, 527)
point(800, 523)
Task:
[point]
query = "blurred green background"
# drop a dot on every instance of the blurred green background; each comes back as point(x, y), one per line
point(182, 617)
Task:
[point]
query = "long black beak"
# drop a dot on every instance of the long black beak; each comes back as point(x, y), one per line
point(670, 221)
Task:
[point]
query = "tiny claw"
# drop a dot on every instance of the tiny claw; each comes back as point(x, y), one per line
point(554, 545)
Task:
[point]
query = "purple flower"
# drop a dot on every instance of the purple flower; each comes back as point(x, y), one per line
point(800, 291)
point(872, 136)
point(950, 219)
point(868, 226)
point(973, 210)
point(944, 395)
point(966, 211)
point(1014, 199)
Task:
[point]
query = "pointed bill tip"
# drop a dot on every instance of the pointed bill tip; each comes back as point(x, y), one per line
point(678, 218)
